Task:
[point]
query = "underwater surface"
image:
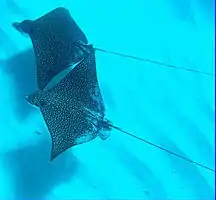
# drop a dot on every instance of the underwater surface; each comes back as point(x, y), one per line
point(169, 107)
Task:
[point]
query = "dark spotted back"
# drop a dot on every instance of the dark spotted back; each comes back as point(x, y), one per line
point(73, 109)
point(68, 127)
point(81, 85)
point(53, 36)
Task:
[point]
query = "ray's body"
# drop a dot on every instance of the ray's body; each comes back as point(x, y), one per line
point(69, 96)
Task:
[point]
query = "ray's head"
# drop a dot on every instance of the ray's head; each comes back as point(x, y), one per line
point(24, 26)
point(36, 99)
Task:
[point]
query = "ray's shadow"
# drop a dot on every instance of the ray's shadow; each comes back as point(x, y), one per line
point(34, 175)
point(22, 70)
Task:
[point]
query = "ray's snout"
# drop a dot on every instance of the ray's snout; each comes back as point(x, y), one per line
point(28, 99)
point(23, 27)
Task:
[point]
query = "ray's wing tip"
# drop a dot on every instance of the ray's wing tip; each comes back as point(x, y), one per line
point(53, 156)
point(61, 9)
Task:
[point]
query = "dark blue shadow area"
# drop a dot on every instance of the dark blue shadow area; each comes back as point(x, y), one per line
point(208, 110)
point(22, 70)
point(182, 10)
point(33, 173)
point(7, 46)
point(208, 5)
point(13, 7)
point(144, 174)
point(190, 173)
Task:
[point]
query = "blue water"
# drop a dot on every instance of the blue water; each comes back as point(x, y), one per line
point(171, 108)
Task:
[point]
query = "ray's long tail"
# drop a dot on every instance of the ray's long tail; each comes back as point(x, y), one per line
point(109, 124)
point(156, 62)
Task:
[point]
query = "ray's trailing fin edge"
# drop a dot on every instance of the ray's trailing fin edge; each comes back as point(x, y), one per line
point(68, 95)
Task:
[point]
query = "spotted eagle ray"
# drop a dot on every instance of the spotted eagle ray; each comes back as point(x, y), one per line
point(68, 93)
point(73, 109)
point(54, 37)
